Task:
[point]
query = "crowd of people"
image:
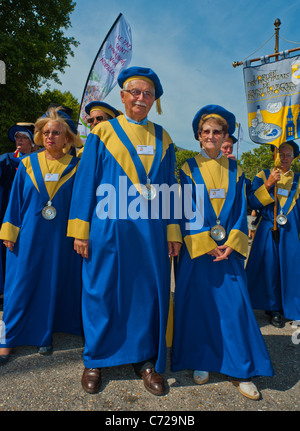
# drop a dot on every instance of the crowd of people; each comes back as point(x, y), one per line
point(80, 257)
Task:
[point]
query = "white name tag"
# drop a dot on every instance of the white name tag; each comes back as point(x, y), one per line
point(51, 177)
point(145, 149)
point(282, 192)
point(217, 193)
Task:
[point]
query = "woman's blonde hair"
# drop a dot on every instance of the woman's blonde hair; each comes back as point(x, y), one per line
point(54, 115)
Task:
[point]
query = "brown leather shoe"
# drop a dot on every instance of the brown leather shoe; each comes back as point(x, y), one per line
point(153, 381)
point(91, 380)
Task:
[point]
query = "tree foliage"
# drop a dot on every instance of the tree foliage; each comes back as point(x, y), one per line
point(34, 49)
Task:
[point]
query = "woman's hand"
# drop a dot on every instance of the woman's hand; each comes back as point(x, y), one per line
point(220, 253)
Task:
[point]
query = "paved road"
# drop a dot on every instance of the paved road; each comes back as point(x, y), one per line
point(30, 382)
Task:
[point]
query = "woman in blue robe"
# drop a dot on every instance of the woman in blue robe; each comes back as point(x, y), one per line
point(43, 273)
point(215, 329)
point(273, 268)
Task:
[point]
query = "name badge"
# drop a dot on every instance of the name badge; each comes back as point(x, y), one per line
point(51, 177)
point(217, 193)
point(282, 192)
point(145, 149)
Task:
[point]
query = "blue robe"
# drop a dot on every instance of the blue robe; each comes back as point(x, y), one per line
point(214, 325)
point(8, 166)
point(273, 268)
point(43, 272)
point(126, 278)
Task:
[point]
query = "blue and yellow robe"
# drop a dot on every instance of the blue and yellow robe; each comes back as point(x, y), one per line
point(215, 328)
point(126, 278)
point(273, 268)
point(42, 292)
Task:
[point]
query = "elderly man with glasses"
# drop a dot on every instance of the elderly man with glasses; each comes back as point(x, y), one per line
point(126, 248)
point(273, 265)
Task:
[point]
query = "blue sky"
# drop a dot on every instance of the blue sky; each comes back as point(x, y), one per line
point(191, 45)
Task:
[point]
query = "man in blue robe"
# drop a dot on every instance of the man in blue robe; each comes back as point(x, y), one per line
point(120, 229)
point(273, 265)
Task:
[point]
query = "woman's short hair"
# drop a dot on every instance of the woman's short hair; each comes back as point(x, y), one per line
point(220, 120)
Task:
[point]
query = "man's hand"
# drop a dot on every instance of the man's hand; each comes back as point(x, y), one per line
point(81, 246)
point(9, 244)
point(174, 248)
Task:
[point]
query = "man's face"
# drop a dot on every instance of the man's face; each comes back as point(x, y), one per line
point(137, 107)
point(286, 155)
point(227, 148)
point(97, 117)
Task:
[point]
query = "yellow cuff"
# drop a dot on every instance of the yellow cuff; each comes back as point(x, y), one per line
point(238, 241)
point(78, 229)
point(199, 244)
point(174, 233)
point(263, 196)
point(9, 232)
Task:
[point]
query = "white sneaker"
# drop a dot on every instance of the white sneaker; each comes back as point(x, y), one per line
point(248, 389)
point(200, 377)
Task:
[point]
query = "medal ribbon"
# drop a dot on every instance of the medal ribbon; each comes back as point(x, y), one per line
point(39, 176)
point(141, 172)
point(230, 196)
point(291, 195)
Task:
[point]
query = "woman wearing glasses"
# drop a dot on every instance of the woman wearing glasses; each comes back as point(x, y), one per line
point(273, 265)
point(42, 289)
point(215, 329)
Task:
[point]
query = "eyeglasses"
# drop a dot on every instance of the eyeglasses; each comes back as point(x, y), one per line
point(99, 118)
point(136, 93)
point(53, 132)
point(214, 132)
point(286, 156)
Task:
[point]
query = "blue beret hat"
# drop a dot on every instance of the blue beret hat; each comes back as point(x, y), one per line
point(67, 119)
point(140, 73)
point(18, 128)
point(105, 107)
point(292, 144)
point(217, 110)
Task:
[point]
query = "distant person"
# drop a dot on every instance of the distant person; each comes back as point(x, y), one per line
point(227, 147)
point(273, 268)
point(100, 111)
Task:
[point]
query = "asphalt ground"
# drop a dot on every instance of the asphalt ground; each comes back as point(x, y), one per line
point(30, 382)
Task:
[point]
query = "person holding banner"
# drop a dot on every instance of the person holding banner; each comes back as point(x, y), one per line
point(126, 265)
point(100, 111)
point(215, 329)
point(273, 268)
point(42, 292)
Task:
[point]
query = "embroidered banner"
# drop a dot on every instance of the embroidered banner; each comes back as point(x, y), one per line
point(273, 97)
point(113, 56)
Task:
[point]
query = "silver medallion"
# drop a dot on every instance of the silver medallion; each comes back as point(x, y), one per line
point(148, 191)
point(217, 232)
point(281, 219)
point(49, 212)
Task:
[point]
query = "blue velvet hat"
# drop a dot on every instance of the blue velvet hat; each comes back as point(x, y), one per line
point(216, 110)
point(141, 73)
point(21, 128)
point(293, 145)
point(105, 107)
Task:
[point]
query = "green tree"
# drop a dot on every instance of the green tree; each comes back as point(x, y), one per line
point(34, 49)
point(61, 98)
point(182, 156)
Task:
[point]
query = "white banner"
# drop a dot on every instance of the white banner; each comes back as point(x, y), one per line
point(113, 56)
